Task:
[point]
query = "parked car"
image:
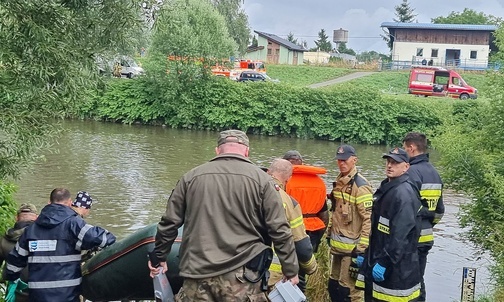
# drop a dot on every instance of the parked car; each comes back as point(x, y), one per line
point(251, 76)
point(438, 81)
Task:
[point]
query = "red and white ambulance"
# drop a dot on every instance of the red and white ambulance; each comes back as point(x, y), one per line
point(438, 81)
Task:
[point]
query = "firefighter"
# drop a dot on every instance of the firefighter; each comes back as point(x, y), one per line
point(390, 267)
point(430, 185)
point(281, 171)
point(348, 233)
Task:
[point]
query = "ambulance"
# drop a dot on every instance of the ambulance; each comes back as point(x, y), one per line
point(438, 81)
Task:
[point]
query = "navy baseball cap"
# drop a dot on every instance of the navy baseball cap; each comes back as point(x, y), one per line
point(397, 154)
point(344, 152)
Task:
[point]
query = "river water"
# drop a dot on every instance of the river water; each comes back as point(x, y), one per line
point(130, 170)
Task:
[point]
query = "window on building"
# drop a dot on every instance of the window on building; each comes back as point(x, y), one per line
point(277, 51)
point(419, 52)
point(269, 51)
point(434, 53)
point(474, 54)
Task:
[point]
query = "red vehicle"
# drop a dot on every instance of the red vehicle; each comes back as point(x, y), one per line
point(438, 81)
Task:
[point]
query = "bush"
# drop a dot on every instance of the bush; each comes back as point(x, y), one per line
point(471, 145)
point(7, 206)
point(341, 114)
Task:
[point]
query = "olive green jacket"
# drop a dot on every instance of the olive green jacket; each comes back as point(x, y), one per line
point(231, 211)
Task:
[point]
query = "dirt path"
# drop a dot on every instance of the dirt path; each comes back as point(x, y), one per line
point(342, 79)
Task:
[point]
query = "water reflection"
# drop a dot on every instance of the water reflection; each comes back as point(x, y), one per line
point(130, 170)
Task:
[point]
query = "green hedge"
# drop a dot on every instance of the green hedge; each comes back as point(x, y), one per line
point(343, 113)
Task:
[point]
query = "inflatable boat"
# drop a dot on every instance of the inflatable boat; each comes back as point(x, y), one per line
point(120, 272)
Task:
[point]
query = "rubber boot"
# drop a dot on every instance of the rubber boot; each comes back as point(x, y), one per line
point(333, 288)
point(344, 294)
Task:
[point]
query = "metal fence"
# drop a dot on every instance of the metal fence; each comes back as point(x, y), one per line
point(450, 64)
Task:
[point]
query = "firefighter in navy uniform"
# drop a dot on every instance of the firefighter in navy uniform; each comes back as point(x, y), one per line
point(348, 233)
point(428, 181)
point(390, 268)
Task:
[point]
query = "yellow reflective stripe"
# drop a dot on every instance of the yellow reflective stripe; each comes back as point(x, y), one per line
point(426, 238)
point(364, 198)
point(275, 268)
point(284, 205)
point(345, 196)
point(359, 283)
point(308, 263)
point(296, 222)
point(389, 298)
point(364, 240)
point(430, 193)
point(342, 246)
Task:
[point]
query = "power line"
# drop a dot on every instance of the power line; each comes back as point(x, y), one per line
point(363, 37)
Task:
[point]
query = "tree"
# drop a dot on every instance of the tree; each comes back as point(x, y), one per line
point(191, 29)
point(236, 21)
point(342, 48)
point(404, 12)
point(323, 44)
point(471, 145)
point(468, 16)
point(255, 43)
point(47, 63)
point(290, 38)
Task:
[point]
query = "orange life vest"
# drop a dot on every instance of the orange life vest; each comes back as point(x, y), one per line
point(307, 188)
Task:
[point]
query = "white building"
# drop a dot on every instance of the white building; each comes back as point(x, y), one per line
point(459, 45)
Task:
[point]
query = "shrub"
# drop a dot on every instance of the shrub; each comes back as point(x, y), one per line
point(342, 114)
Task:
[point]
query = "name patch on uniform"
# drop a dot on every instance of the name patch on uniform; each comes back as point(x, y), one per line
point(42, 245)
point(383, 228)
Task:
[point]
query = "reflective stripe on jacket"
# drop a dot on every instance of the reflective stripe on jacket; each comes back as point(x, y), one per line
point(428, 181)
point(51, 247)
point(351, 218)
point(304, 250)
point(395, 228)
point(307, 188)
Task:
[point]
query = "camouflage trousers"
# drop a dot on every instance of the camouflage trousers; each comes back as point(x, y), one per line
point(228, 287)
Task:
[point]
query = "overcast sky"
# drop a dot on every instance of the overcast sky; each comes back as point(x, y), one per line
point(362, 18)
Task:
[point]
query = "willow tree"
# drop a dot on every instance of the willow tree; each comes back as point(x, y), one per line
point(188, 36)
point(236, 22)
point(47, 61)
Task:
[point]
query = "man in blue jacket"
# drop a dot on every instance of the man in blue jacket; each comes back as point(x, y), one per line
point(428, 181)
point(51, 247)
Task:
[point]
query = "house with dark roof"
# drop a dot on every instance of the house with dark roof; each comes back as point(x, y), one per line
point(275, 50)
point(459, 45)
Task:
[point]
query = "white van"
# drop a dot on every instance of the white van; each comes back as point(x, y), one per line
point(122, 66)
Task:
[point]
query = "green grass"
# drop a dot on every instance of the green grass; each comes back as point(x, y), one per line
point(389, 82)
point(303, 75)
point(396, 82)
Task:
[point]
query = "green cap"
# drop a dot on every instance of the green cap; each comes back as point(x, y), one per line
point(27, 208)
point(233, 136)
